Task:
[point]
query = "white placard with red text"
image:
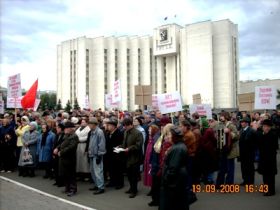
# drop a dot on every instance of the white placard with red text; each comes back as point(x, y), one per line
point(169, 102)
point(265, 97)
point(109, 104)
point(14, 86)
point(14, 103)
point(155, 102)
point(116, 96)
point(86, 106)
point(202, 110)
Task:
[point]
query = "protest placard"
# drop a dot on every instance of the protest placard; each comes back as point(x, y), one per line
point(109, 104)
point(265, 97)
point(116, 96)
point(14, 86)
point(155, 101)
point(169, 102)
point(202, 110)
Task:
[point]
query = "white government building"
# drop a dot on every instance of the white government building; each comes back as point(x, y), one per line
point(199, 58)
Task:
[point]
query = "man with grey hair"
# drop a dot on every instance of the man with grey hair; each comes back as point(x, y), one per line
point(96, 148)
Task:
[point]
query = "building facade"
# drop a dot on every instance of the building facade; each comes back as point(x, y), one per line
point(200, 58)
point(250, 85)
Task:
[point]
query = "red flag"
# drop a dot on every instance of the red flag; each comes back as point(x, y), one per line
point(29, 98)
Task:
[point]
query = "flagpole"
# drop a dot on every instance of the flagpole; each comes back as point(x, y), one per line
point(16, 115)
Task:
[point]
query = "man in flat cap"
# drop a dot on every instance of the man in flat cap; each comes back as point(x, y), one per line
point(67, 158)
point(268, 145)
point(133, 140)
point(247, 147)
point(96, 148)
point(115, 160)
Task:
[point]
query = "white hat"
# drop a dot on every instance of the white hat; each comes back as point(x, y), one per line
point(25, 118)
point(74, 120)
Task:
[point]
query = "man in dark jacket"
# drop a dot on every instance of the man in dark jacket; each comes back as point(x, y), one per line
point(7, 146)
point(268, 145)
point(116, 161)
point(247, 146)
point(58, 141)
point(133, 140)
point(67, 158)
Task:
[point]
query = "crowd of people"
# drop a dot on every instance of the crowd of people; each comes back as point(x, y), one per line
point(170, 154)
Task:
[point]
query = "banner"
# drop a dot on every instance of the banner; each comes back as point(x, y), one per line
point(109, 104)
point(169, 102)
point(86, 106)
point(202, 110)
point(265, 97)
point(117, 97)
point(11, 103)
point(36, 105)
point(14, 103)
point(2, 107)
point(14, 86)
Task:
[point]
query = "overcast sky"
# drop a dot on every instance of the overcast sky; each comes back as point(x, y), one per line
point(31, 30)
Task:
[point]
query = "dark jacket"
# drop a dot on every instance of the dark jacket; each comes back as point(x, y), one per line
point(174, 179)
point(7, 130)
point(133, 140)
point(114, 140)
point(67, 159)
point(268, 144)
point(154, 159)
point(247, 145)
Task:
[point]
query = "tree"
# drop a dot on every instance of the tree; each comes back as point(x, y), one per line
point(68, 106)
point(58, 105)
point(76, 104)
point(48, 101)
point(278, 94)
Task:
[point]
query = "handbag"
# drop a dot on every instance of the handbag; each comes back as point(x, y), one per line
point(27, 158)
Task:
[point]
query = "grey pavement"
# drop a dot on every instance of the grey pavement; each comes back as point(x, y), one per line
point(16, 197)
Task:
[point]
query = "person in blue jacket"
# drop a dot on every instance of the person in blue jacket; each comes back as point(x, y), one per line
point(45, 148)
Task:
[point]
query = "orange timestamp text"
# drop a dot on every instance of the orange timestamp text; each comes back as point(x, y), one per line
point(211, 188)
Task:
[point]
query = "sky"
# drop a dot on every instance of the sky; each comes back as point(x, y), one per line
point(30, 30)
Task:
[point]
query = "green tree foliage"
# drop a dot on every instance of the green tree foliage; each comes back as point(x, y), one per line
point(68, 106)
point(278, 94)
point(76, 104)
point(48, 101)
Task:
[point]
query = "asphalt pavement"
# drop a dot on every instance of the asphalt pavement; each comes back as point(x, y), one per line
point(38, 193)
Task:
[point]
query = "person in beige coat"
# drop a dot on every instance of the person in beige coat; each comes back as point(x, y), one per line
point(82, 164)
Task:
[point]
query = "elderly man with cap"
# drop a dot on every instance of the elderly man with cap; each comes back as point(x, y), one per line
point(132, 145)
point(247, 147)
point(67, 158)
point(96, 148)
point(268, 145)
point(116, 161)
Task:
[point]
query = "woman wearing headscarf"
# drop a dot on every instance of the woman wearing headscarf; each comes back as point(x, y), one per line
point(44, 149)
point(29, 142)
point(23, 126)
